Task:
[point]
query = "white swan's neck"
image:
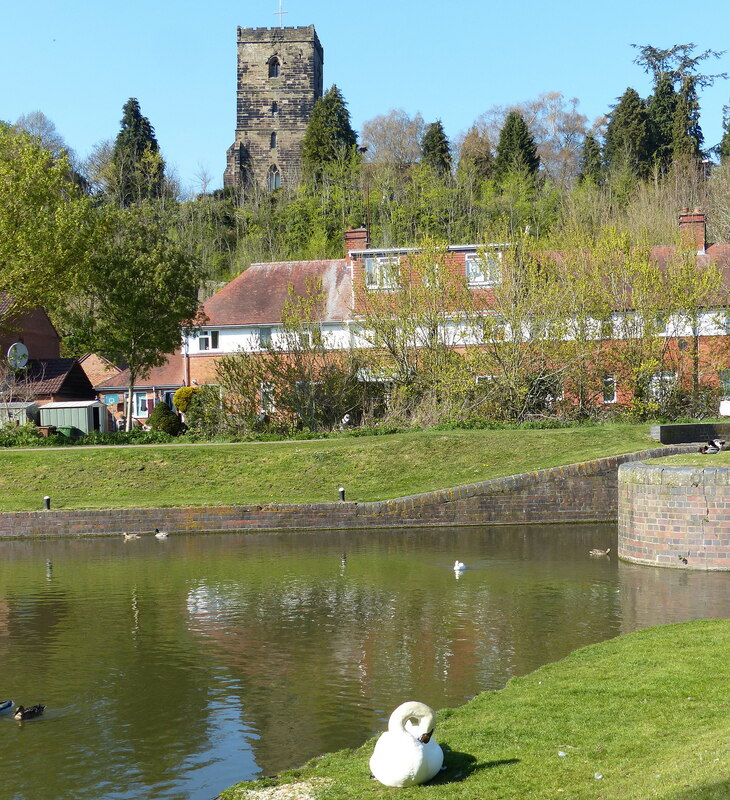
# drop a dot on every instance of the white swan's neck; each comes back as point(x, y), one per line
point(414, 718)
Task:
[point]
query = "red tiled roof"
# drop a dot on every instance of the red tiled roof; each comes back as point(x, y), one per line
point(257, 296)
point(169, 374)
point(57, 377)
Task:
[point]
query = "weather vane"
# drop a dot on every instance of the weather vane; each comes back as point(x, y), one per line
point(281, 15)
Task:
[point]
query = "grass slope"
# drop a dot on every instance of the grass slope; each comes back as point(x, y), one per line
point(647, 712)
point(696, 460)
point(370, 468)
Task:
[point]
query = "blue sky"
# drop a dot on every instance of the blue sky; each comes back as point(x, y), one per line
point(79, 61)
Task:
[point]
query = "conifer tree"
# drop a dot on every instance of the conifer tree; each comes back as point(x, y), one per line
point(138, 167)
point(661, 108)
point(687, 135)
point(436, 149)
point(591, 162)
point(516, 151)
point(329, 138)
point(723, 149)
point(627, 134)
point(476, 154)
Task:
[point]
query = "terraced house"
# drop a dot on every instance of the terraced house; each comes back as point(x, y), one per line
point(652, 322)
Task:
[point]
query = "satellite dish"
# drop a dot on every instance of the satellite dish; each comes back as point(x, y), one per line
point(17, 355)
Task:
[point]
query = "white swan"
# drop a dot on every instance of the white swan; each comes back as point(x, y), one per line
point(459, 566)
point(405, 754)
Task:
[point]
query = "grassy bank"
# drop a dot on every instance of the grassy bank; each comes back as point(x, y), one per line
point(696, 460)
point(370, 468)
point(641, 716)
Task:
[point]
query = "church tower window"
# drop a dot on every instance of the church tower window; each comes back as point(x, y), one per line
point(272, 140)
point(274, 108)
point(274, 67)
point(274, 178)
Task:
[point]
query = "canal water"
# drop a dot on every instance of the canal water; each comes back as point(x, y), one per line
point(175, 668)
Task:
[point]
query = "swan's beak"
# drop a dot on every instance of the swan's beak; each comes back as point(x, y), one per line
point(426, 737)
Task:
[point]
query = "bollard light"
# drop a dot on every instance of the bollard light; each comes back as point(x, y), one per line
point(342, 492)
point(47, 503)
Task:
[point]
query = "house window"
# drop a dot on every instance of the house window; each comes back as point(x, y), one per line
point(274, 178)
point(208, 340)
point(606, 328)
point(272, 140)
point(483, 269)
point(661, 383)
point(725, 382)
point(274, 108)
point(266, 396)
point(142, 406)
point(608, 388)
point(274, 68)
point(264, 337)
point(381, 272)
point(167, 397)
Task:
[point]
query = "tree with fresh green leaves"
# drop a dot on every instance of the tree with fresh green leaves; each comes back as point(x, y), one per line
point(137, 294)
point(44, 224)
point(627, 134)
point(475, 155)
point(516, 150)
point(138, 170)
point(436, 149)
point(329, 139)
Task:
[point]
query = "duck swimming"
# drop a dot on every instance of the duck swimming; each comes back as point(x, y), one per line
point(597, 552)
point(406, 754)
point(129, 536)
point(459, 566)
point(28, 713)
point(160, 534)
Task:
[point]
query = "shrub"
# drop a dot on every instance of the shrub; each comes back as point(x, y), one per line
point(182, 397)
point(163, 418)
point(21, 436)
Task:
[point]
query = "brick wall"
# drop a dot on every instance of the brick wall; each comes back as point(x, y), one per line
point(585, 492)
point(675, 516)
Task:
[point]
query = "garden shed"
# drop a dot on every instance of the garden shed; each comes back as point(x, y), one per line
point(18, 413)
point(75, 418)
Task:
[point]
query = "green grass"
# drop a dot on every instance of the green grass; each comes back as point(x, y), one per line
point(696, 460)
point(370, 468)
point(649, 712)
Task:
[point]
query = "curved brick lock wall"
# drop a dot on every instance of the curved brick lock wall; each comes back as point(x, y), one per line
point(669, 514)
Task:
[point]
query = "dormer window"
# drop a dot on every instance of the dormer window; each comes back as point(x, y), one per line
point(272, 140)
point(274, 178)
point(208, 340)
point(382, 272)
point(483, 269)
point(274, 67)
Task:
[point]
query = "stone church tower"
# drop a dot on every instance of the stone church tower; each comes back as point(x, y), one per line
point(279, 80)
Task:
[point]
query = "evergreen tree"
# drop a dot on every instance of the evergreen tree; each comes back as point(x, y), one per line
point(661, 108)
point(627, 134)
point(436, 149)
point(687, 135)
point(516, 151)
point(591, 162)
point(723, 149)
point(476, 154)
point(138, 167)
point(329, 139)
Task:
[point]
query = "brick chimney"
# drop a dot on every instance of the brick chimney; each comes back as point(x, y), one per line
point(356, 239)
point(692, 229)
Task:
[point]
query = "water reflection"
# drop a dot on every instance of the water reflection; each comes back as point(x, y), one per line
point(172, 672)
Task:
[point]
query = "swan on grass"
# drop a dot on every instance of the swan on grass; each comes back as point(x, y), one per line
point(406, 754)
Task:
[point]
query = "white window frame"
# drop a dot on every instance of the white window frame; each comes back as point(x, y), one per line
point(265, 334)
point(608, 382)
point(483, 269)
point(381, 272)
point(141, 405)
point(661, 383)
point(266, 397)
point(208, 340)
